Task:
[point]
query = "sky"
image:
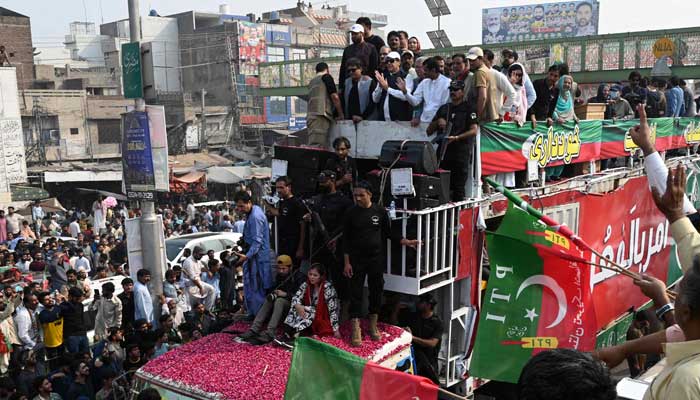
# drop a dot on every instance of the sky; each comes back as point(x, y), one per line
point(50, 18)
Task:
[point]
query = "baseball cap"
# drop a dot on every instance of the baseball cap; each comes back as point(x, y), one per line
point(457, 84)
point(393, 55)
point(615, 88)
point(325, 175)
point(407, 52)
point(284, 260)
point(474, 53)
point(357, 28)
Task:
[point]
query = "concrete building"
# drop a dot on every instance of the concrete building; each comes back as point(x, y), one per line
point(82, 48)
point(16, 37)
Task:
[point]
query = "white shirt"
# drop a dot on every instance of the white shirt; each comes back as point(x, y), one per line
point(82, 262)
point(191, 210)
point(192, 270)
point(433, 94)
point(74, 228)
point(503, 88)
point(143, 303)
point(27, 327)
point(377, 95)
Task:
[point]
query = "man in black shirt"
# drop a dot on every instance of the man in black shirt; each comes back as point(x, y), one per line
point(426, 328)
point(331, 207)
point(361, 50)
point(74, 329)
point(343, 165)
point(289, 213)
point(457, 123)
point(127, 299)
point(374, 40)
point(546, 90)
point(365, 232)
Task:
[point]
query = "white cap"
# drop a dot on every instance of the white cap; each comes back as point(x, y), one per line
point(474, 53)
point(393, 55)
point(357, 28)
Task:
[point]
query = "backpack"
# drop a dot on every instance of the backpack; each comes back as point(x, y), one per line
point(653, 106)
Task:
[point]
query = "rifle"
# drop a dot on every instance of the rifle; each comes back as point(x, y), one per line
point(441, 138)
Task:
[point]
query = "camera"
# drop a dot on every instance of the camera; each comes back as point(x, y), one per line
point(240, 247)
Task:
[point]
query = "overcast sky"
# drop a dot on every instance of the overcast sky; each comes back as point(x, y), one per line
point(50, 18)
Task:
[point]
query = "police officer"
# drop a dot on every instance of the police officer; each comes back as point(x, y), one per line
point(343, 165)
point(426, 328)
point(290, 210)
point(331, 206)
point(365, 231)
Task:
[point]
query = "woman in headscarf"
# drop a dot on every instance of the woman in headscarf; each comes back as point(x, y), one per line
point(519, 111)
point(603, 97)
point(414, 46)
point(563, 112)
point(314, 309)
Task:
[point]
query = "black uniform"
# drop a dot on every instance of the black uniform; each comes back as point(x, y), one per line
point(459, 153)
point(426, 357)
point(291, 212)
point(331, 208)
point(364, 236)
point(341, 168)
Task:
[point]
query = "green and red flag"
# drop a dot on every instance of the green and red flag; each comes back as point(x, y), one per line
point(322, 371)
point(538, 297)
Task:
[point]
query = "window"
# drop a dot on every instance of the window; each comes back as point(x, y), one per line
point(51, 137)
point(108, 131)
point(278, 105)
point(300, 106)
point(74, 131)
point(275, 54)
point(212, 244)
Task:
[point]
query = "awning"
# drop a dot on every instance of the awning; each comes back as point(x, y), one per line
point(105, 193)
point(24, 193)
point(233, 175)
point(191, 177)
point(48, 205)
point(82, 176)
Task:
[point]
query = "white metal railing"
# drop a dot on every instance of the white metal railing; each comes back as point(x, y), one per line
point(434, 261)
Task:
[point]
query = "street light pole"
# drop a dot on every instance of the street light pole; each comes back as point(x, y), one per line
point(151, 230)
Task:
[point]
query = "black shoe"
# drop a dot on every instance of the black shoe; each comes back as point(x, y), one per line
point(265, 338)
point(248, 335)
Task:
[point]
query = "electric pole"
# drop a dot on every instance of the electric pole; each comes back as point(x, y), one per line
point(203, 143)
point(151, 230)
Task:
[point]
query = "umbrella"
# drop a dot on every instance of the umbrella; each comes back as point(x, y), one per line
point(110, 202)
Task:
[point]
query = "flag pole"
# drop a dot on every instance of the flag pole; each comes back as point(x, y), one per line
point(450, 395)
point(559, 228)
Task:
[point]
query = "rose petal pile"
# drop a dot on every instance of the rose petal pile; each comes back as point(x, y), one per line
point(217, 364)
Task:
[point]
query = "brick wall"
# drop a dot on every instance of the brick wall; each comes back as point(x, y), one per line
point(16, 36)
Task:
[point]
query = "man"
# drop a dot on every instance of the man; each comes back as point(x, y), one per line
point(361, 50)
point(257, 277)
point(656, 100)
point(38, 216)
point(358, 98)
point(565, 374)
point(143, 303)
point(584, 20)
point(331, 206)
point(458, 147)
point(81, 388)
point(441, 64)
point(44, 390)
point(201, 318)
point(52, 328)
point(675, 104)
point(484, 87)
point(374, 40)
point(196, 289)
point(688, 99)
point(510, 57)
point(191, 210)
point(4, 59)
point(634, 93)
point(74, 228)
point(3, 227)
point(426, 328)
point(393, 39)
point(619, 107)
point(127, 299)
point(14, 221)
point(323, 100)
point(24, 262)
point(433, 91)
point(28, 325)
point(492, 31)
point(403, 41)
point(505, 93)
point(74, 329)
point(277, 302)
point(383, 52)
point(82, 261)
point(109, 311)
point(365, 232)
point(291, 235)
point(546, 89)
point(390, 98)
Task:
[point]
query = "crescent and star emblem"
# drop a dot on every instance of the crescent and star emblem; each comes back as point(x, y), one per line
point(550, 283)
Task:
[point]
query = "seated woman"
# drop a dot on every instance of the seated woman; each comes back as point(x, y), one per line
point(314, 309)
point(563, 112)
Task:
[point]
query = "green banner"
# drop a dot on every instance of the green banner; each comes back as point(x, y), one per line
point(131, 70)
point(506, 147)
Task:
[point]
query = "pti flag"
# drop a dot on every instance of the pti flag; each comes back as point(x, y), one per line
point(538, 298)
point(321, 371)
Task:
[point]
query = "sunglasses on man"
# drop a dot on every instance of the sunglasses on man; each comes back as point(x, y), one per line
point(391, 60)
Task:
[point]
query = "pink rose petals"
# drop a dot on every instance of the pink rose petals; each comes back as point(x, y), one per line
point(217, 364)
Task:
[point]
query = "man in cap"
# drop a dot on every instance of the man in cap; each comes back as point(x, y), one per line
point(426, 328)
point(458, 146)
point(484, 88)
point(361, 50)
point(277, 302)
point(390, 94)
point(374, 40)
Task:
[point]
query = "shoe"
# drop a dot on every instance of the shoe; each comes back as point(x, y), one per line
point(265, 338)
point(356, 340)
point(249, 334)
point(373, 330)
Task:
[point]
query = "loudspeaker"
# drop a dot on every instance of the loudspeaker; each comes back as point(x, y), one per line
point(418, 155)
point(428, 186)
point(444, 176)
point(303, 157)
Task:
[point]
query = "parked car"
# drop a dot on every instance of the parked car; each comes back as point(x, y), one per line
point(217, 241)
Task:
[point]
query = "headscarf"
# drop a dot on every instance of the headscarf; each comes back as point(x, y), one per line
point(599, 96)
point(321, 325)
point(517, 67)
point(565, 101)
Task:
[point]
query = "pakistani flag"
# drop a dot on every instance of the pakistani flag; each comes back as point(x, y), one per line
point(538, 298)
point(321, 371)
